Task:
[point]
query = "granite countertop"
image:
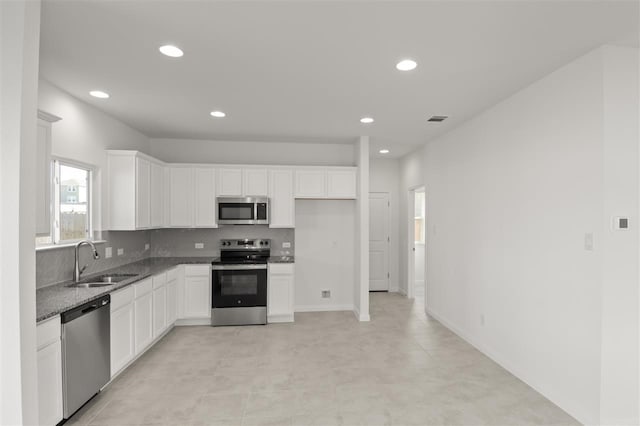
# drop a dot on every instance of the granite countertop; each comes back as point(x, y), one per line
point(58, 298)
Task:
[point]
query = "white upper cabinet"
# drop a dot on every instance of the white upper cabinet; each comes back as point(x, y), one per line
point(230, 182)
point(255, 183)
point(242, 182)
point(205, 198)
point(310, 183)
point(282, 202)
point(341, 183)
point(143, 193)
point(134, 191)
point(157, 195)
point(180, 197)
point(334, 183)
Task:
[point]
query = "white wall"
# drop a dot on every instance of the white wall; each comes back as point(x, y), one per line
point(19, 47)
point(411, 176)
point(206, 151)
point(510, 196)
point(324, 241)
point(620, 356)
point(384, 176)
point(84, 134)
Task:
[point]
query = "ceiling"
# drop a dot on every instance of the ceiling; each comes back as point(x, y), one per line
point(307, 71)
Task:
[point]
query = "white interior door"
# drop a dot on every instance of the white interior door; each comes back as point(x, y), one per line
point(378, 241)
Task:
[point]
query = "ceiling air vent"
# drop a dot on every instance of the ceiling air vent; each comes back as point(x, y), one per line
point(438, 118)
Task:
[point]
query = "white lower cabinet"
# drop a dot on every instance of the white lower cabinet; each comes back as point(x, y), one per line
point(280, 286)
point(122, 329)
point(159, 304)
point(197, 292)
point(143, 307)
point(49, 364)
point(172, 297)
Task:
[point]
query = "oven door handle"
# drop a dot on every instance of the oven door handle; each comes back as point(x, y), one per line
point(237, 267)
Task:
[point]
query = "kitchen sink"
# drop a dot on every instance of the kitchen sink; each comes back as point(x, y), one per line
point(102, 280)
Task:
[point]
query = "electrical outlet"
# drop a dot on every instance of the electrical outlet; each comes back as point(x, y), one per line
point(199, 245)
point(120, 251)
point(286, 244)
point(326, 294)
point(108, 252)
point(146, 246)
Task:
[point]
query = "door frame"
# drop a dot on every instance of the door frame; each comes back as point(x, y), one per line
point(388, 194)
point(411, 275)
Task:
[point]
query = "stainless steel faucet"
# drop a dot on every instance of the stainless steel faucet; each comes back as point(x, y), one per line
point(77, 271)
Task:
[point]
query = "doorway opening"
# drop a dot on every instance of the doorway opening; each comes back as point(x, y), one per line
point(417, 253)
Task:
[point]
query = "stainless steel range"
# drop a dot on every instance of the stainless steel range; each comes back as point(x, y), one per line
point(239, 282)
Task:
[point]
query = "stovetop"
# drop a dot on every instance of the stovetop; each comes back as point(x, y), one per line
point(220, 261)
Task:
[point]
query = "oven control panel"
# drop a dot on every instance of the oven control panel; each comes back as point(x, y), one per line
point(245, 244)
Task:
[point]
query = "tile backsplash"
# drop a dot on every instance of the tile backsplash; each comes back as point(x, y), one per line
point(56, 265)
point(181, 242)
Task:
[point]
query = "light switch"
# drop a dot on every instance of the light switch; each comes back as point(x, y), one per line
point(286, 244)
point(199, 245)
point(588, 241)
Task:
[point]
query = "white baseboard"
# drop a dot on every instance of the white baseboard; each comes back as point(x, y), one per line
point(193, 321)
point(360, 317)
point(280, 318)
point(581, 417)
point(402, 291)
point(323, 308)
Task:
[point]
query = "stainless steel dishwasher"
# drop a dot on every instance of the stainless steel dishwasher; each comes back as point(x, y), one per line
point(86, 352)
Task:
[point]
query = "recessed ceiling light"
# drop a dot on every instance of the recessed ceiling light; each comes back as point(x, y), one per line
point(170, 50)
point(384, 151)
point(218, 114)
point(406, 65)
point(99, 94)
point(366, 120)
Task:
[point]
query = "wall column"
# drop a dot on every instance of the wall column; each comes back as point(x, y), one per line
point(361, 296)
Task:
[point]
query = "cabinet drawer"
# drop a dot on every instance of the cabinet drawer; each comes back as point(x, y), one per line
point(159, 280)
point(197, 270)
point(48, 331)
point(143, 287)
point(121, 298)
point(172, 275)
point(281, 268)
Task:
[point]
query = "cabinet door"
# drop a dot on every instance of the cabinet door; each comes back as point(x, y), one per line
point(197, 303)
point(43, 179)
point(157, 195)
point(172, 302)
point(230, 182)
point(143, 193)
point(310, 184)
point(341, 184)
point(143, 322)
point(255, 183)
point(122, 337)
point(180, 204)
point(49, 362)
point(159, 310)
point(205, 198)
point(281, 201)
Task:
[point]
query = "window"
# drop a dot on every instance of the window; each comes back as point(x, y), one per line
point(419, 218)
point(71, 204)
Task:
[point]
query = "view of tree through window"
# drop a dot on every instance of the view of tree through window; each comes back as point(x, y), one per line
point(73, 196)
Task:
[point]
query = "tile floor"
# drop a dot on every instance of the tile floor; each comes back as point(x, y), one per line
point(402, 368)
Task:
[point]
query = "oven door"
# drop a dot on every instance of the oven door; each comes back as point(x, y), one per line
point(239, 286)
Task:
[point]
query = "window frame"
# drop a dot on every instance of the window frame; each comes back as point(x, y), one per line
point(56, 162)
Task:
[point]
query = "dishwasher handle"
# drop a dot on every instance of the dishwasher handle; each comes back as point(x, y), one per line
point(85, 308)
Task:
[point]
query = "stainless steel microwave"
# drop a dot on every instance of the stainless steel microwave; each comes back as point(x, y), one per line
point(243, 211)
